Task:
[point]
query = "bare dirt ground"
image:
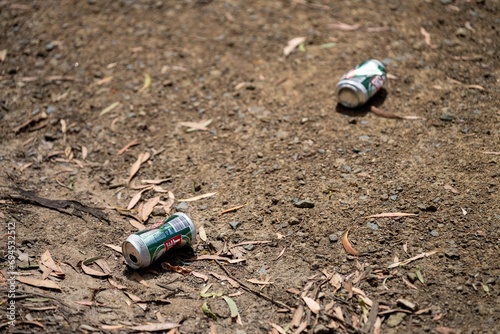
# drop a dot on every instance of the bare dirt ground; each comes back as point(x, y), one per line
point(88, 88)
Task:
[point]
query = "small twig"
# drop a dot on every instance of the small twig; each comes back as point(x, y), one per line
point(255, 292)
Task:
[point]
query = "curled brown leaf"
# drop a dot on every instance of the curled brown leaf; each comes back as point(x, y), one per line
point(347, 245)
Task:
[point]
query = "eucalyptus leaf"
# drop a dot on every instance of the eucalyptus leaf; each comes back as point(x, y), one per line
point(232, 306)
point(207, 311)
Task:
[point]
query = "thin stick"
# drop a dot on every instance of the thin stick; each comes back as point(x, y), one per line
point(257, 293)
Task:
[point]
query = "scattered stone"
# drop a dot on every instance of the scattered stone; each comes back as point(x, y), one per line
point(304, 204)
point(260, 155)
point(407, 304)
point(446, 2)
point(364, 138)
point(435, 233)
point(240, 331)
point(333, 238)
point(203, 207)
point(347, 168)
point(293, 221)
point(51, 109)
point(412, 277)
point(158, 211)
point(249, 248)
point(373, 226)
point(50, 46)
point(452, 253)
point(461, 32)
point(447, 118)
point(395, 319)
point(182, 207)
point(234, 225)
point(393, 197)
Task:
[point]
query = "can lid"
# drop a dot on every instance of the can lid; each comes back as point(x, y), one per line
point(348, 97)
point(136, 252)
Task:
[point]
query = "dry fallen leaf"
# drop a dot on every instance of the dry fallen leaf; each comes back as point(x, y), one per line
point(312, 304)
point(90, 271)
point(155, 327)
point(149, 206)
point(391, 215)
point(3, 55)
point(297, 317)
point(386, 114)
point(46, 260)
point(135, 199)
point(195, 198)
point(216, 257)
point(231, 281)
point(115, 248)
point(38, 283)
point(292, 44)
point(344, 26)
point(147, 83)
point(405, 262)
point(427, 37)
point(136, 224)
point(142, 158)
point(450, 188)
point(109, 108)
point(201, 125)
point(202, 233)
point(200, 275)
point(177, 269)
point(347, 245)
point(233, 209)
point(258, 282)
point(446, 330)
point(116, 284)
point(126, 147)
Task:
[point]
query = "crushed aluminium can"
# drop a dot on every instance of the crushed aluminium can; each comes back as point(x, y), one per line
point(361, 83)
point(144, 247)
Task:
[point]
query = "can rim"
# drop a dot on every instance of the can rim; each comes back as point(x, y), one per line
point(358, 90)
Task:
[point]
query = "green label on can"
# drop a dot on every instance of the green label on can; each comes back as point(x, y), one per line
point(370, 74)
point(175, 231)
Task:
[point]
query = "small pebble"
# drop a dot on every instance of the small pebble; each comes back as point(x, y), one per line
point(395, 319)
point(393, 197)
point(203, 207)
point(447, 117)
point(446, 2)
point(461, 32)
point(234, 225)
point(303, 204)
point(293, 221)
point(249, 247)
point(452, 253)
point(182, 207)
point(412, 277)
point(364, 138)
point(347, 168)
point(435, 233)
point(407, 304)
point(51, 109)
point(373, 226)
point(333, 238)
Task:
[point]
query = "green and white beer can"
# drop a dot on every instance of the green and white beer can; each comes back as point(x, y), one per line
point(144, 247)
point(361, 83)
